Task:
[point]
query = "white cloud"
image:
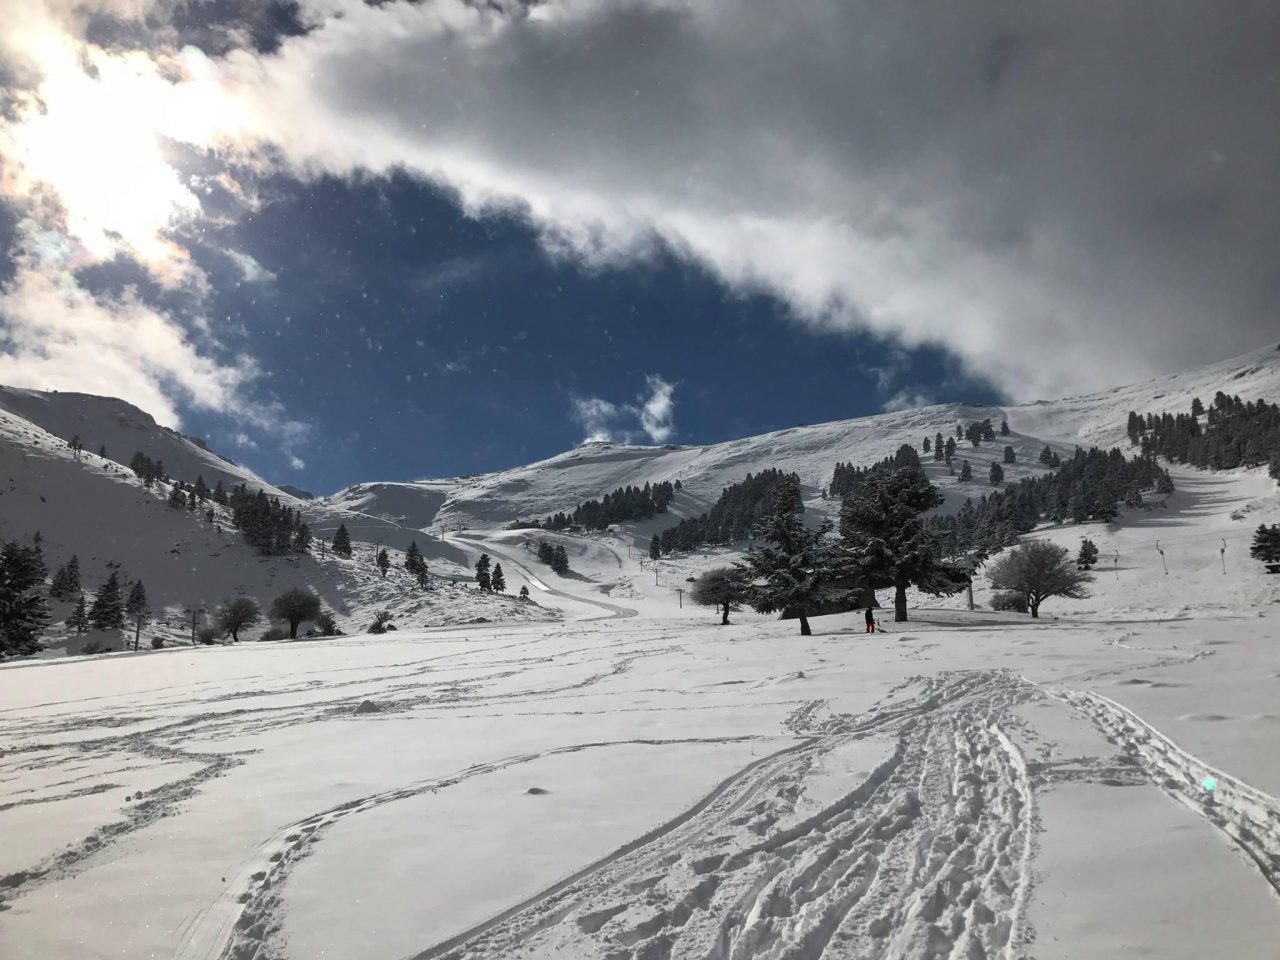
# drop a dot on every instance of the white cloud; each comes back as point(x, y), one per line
point(250, 269)
point(657, 415)
point(1020, 202)
point(907, 399)
point(297, 463)
point(56, 336)
point(86, 141)
point(244, 441)
point(597, 417)
point(651, 417)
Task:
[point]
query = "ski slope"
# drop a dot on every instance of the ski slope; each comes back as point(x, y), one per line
point(593, 469)
point(609, 773)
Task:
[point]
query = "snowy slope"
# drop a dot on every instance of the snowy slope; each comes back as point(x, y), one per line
point(124, 430)
point(593, 469)
point(99, 511)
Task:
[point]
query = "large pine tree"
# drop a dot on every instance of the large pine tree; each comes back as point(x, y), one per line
point(23, 611)
point(107, 612)
point(560, 560)
point(498, 580)
point(793, 569)
point(884, 537)
point(483, 579)
point(1266, 544)
point(384, 563)
point(342, 541)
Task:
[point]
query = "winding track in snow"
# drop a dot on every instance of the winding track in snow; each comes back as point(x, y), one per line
point(928, 857)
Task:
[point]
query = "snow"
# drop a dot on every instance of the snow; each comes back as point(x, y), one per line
point(608, 773)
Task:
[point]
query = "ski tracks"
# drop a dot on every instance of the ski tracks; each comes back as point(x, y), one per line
point(1247, 816)
point(928, 857)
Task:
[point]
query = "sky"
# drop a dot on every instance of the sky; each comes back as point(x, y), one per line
point(348, 241)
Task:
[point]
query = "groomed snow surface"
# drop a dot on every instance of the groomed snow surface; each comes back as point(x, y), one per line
point(636, 781)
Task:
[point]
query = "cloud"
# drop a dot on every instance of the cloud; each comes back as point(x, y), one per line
point(88, 137)
point(297, 463)
point(651, 417)
point(244, 441)
point(597, 417)
point(1062, 199)
point(907, 399)
point(657, 415)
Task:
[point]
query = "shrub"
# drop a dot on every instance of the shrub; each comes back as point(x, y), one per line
point(273, 633)
point(94, 646)
point(208, 636)
point(157, 643)
point(327, 626)
point(381, 622)
point(1008, 600)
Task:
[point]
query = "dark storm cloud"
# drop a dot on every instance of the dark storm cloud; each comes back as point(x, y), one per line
point(1066, 196)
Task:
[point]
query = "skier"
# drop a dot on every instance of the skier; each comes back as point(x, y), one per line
point(871, 621)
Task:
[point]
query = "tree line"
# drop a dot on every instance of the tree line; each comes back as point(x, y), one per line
point(1088, 486)
point(883, 542)
point(622, 505)
point(733, 516)
point(1235, 433)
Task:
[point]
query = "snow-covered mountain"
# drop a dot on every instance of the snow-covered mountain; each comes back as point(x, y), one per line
point(593, 469)
point(123, 430)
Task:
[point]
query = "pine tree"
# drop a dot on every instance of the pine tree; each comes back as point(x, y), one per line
point(997, 474)
point(950, 449)
point(884, 536)
point(483, 579)
point(1087, 556)
point(1046, 456)
point(560, 561)
point(135, 607)
point(77, 446)
point(794, 568)
point(102, 451)
point(966, 472)
point(413, 561)
point(1009, 456)
point(926, 445)
point(66, 581)
point(498, 581)
point(342, 541)
point(384, 562)
point(23, 611)
point(176, 498)
point(302, 538)
point(938, 447)
point(1004, 428)
point(107, 612)
point(79, 619)
point(524, 593)
point(1197, 408)
point(1266, 544)
point(655, 547)
point(546, 553)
